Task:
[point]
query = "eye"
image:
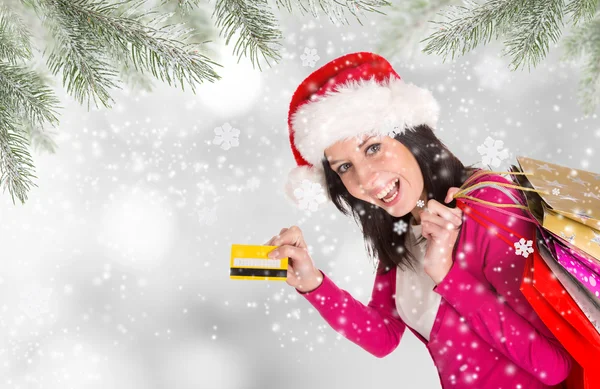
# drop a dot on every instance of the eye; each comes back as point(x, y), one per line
point(378, 145)
point(340, 171)
point(374, 146)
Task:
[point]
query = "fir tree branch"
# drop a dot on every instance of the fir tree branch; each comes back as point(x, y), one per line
point(40, 139)
point(584, 42)
point(257, 28)
point(23, 91)
point(581, 10)
point(16, 165)
point(193, 15)
point(157, 50)
point(470, 26)
point(528, 42)
point(86, 75)
point(407, 25)
point(15, 43)
point(335, 9)
point(184, 5)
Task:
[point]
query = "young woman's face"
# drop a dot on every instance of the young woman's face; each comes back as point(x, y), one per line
point(367, 165)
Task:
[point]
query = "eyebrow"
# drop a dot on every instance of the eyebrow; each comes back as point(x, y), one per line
point(359, 146)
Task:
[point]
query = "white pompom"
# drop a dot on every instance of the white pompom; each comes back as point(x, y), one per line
point(306, 188)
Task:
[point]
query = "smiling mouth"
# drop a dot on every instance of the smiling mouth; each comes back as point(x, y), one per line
point(391, 196)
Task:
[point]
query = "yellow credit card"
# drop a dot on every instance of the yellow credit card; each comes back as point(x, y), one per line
point(250, 262)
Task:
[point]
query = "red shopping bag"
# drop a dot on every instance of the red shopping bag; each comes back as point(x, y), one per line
point(559, 312)
point(557, 309)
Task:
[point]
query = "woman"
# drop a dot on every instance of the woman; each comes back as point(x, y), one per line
point(359, 131)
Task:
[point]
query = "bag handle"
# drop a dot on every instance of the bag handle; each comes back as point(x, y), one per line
point(462, 200)
point(461, 193)
point(468, 211)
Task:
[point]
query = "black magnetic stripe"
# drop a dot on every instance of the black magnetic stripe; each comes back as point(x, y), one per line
point(257, 272)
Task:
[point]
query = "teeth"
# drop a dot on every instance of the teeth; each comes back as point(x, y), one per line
point(387, 190)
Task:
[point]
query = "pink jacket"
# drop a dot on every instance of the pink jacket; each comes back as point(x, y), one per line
point(485, 334)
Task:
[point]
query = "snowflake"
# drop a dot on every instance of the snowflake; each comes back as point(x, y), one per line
point(400, 227)
point(310, 195)
point(227, 136)
point(420, 203)
point(208, 216)
point(524, 248)
point(310, 57)
point(490, 150)
point(555, 191)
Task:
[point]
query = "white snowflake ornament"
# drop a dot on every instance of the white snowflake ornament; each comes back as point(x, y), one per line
point(555, 191)
point(226, 136)
point(400, 227)
point(305, 187)
point(523, 247)
point(491, 152)
point(310, 57)
point(310, 195)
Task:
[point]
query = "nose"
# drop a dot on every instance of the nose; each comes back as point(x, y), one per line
point(367, 178)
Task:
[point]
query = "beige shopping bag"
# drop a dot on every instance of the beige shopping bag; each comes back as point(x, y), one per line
point(568, 204)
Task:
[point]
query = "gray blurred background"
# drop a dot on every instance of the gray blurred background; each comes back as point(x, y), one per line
point(115, 273)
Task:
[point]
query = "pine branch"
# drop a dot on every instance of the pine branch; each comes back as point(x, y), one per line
point(469, 27)
point(530, 26)
point(16, 165)
point(182, 12)
point(40, 139)
point(336, 9)
point(584, 42)
point(15, 43)
point(541, 22)
point(86, 74)
point(95, 26)
point(193, 15)
point(95, 44)
point(184, 5)
point(23, 91)
point(407, 25)
point(257, 28)
point(581, 10)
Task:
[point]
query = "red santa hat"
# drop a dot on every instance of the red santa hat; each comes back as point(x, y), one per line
point(353, 95)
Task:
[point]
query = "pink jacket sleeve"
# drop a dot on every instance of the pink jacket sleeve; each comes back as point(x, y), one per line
point(497, 311)
point(375, 327)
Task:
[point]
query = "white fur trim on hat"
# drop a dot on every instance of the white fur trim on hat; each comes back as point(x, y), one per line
point(359, 107)
point(306, 188)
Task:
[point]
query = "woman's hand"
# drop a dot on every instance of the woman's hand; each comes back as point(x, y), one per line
point(301, 272)
point(440, 226)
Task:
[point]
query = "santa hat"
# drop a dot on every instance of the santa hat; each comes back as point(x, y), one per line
point(353, 95)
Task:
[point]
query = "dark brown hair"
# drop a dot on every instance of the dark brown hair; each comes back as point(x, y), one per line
point(441, 170)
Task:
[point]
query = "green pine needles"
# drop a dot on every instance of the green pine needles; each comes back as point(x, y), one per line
point(528, 27)
point(95, 46)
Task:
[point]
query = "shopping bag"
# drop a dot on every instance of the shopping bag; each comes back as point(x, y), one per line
point(556, 253)
point(552, 302)
point(570, 202)
point(579, 263)
point(567, 335)
point(588, 303)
